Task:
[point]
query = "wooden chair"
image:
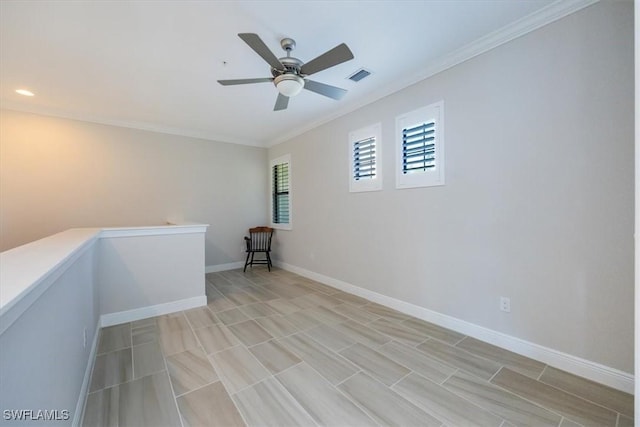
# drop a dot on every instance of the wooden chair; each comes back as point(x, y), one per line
point(259, 240)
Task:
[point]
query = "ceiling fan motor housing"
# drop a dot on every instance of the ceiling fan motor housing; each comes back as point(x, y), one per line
point(291, 66)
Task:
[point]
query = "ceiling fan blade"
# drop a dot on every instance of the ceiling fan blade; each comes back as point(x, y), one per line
point(244, 81)
point(256, 43)
point(335, 56)
point(326, 90)
point(281, 103)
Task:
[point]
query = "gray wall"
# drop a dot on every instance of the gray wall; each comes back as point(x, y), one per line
point(57, 174)
point(538, 201)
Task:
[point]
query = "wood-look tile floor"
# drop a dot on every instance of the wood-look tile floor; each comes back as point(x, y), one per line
point(277, 349)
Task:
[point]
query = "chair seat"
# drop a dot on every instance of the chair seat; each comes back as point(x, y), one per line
point(259, 241)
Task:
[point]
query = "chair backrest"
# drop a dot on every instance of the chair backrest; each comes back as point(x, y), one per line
point(261, 238)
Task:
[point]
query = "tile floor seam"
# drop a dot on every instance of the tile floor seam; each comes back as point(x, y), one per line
point(263, 329)
point(111, 351)
point(246, 387)
point(112, 385)
point(222, 379)
point(189, 321)
point(452, 374)
point(459, 341)
point(173, 392)
point(197, 388)
point(601, 405)
point(350, 376)
point(235, 404)
point(420, 343)
point(538, 404)
point(577, 396)
point(206, 356)
point(416, 403)
point(331, 352)
point(123, 382)
point(288, 367)
point(361, 408)
point(569, 420)
point(394, 338)
point(464, 351)
point(403, 377)
point(272, 375)
point(496, 373)
point(202, 327)
point(477, 405)
point(200, 346)
point(541, 372)
point(320, 373)
point(225, 349)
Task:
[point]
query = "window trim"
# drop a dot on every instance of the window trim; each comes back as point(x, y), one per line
point(430, 177)
point(373, 184)
point(277, 161)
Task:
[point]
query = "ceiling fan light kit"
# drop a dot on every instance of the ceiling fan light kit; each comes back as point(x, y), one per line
point(290, 74)
point(289, 84)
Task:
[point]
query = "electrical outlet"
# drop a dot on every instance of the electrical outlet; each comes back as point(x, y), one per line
point(505, 304)
point(84, 338)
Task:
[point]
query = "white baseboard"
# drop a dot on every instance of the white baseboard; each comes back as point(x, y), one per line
point(84, 389)
point(223, 267)
point(151, 311)
point(585, 368)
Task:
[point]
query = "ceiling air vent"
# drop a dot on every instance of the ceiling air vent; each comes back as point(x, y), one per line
point(359, 75)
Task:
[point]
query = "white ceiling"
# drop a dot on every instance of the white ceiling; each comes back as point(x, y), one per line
point(154, 64)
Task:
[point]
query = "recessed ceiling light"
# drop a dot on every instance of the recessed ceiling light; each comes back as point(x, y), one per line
point(25, 92)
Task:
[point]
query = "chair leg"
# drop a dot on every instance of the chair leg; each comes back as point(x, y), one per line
point(269, 261)
point(252, 254)
point(246, 262)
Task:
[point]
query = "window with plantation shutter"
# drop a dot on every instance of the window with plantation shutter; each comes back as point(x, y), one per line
point(281, 192)
point(420, 147)
point(364, 159)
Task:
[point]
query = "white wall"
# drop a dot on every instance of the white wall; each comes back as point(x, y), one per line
point(136, 272)
point(57, 174)
point(538, 201)
point(42, 356)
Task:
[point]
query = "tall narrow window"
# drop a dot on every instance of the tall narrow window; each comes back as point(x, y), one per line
point(281, 192)
point(420, 147)
point(364, 159)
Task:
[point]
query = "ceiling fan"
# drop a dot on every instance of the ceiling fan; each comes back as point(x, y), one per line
point(290, 74)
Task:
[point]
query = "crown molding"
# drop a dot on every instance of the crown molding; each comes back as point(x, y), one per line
point(150, 127)
point(533, 21)
point(551, 13)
